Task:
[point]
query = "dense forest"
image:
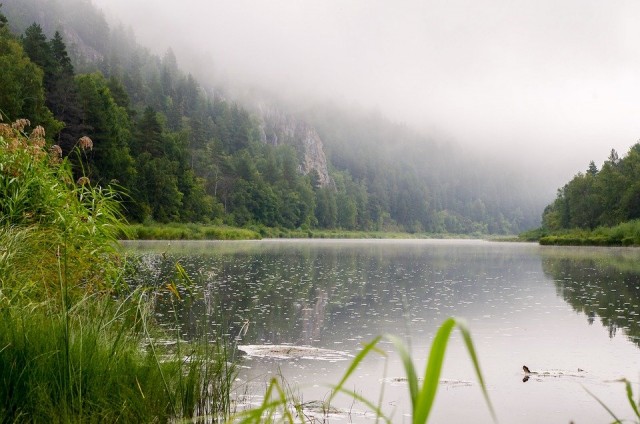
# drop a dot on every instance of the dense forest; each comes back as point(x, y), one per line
point(182, 151)
point(595, 198)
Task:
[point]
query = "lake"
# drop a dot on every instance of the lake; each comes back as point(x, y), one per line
point(572, 314)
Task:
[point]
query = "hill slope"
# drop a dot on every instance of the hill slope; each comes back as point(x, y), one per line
point(185, 152)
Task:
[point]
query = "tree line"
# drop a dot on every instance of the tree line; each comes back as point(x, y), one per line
point(594, 198)
point(183, 152)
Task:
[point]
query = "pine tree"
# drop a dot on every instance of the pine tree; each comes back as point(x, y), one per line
point(3, 19)
point(63, 98)
point(58, 48)
point(21, 87)
point(39, 51)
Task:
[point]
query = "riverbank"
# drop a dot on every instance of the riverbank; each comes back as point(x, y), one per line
point(191, 231)
point(78, 341)
point(625, 234)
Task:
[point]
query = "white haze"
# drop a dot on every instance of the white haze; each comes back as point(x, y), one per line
point(547, 85)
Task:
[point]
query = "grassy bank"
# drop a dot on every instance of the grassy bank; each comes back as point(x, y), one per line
point(625, 234)
point(98, 362)
point(178, 231)
point(77, 344)
point(190, 231)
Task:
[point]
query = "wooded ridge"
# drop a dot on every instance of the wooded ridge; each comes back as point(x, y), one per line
point(184, 152)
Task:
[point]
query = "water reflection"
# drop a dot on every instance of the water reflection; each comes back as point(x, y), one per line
point(603, 283)
point(520, 300)
point(301, 292)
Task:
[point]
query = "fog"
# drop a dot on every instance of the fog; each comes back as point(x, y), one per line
point(546, 85)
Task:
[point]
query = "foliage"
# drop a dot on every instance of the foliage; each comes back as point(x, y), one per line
point(624, 234)
point(22, 94)
point(177, 231)
point(109, 158)
point(59, 217)
point(185, 153)
point(602, 198)
point(70, 351)
point(85, 364)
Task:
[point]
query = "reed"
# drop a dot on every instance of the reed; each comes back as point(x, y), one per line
point(95, 363)
point(77, 344)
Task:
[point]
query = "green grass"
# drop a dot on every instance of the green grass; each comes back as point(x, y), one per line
point(624, 234)
point(99, 362)
point(76, 343)
point(192, 231)
point(635, 405)
point(179, 231)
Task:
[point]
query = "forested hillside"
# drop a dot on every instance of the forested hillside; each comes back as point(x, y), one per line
point(605, 197)
point(183, 151)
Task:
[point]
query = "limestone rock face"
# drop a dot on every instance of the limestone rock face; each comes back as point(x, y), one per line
point(80, 49)
point(278, 127)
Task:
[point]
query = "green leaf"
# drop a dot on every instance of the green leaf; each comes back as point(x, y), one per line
point(426, 395)
point(409, 369)
point(466, 335)
point(630, 397)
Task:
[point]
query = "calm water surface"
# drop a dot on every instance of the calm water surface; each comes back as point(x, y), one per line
point(553, 309)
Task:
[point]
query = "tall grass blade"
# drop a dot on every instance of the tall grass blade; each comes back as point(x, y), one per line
point(376, 409)
point(627, 384)
point(266, 411)
point(409, 369)
point(426, 395)
point(617, 420)
point(466, 336)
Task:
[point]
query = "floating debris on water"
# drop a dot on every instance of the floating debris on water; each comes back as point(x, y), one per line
point(444, 381)
point(294, 352)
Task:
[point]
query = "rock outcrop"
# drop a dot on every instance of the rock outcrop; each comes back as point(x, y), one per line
point(278, 127)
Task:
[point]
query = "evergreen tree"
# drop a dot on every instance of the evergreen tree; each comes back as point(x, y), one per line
point(110, 129)
point(156, 189)
point(22, 94)
point(39, 51)
point(149, 137)
point(63, 98)
point(3, 19)
point(599, 198)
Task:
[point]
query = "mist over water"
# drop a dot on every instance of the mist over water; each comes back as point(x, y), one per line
point(545, 86)
point(569, 314)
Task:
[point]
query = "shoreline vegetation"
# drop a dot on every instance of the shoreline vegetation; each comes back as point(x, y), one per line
point(192, 231)
point(78, 342)
point(624, 234)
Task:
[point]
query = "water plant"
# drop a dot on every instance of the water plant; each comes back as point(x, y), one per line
point(277, 405)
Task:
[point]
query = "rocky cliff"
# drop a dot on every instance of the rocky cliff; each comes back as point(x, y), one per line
point(278, 127)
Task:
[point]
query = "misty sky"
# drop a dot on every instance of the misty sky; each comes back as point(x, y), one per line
point(551, 84)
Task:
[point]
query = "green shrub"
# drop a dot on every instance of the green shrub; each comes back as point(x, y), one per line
point(55, 216)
